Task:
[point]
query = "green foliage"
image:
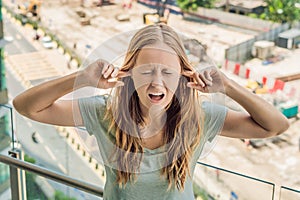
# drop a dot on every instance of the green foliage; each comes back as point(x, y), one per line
point(282, 11)
point(33, 190)
point(253, 15)
point(29, 159)
point(4, 141)
point(61, 196)
point(200, 192)
point(187, 5)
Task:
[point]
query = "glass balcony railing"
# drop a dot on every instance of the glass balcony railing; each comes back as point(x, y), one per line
point(25, 180)
point(29, 181)
point(6, 126)
point(220, 183)
point(289, 193)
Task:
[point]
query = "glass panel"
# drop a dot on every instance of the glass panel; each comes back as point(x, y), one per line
point(288, 193)
point(5, 141)
point(216, 183)
point(4, 182)
point(6, 127)
point(38, 187)
point(57, 149)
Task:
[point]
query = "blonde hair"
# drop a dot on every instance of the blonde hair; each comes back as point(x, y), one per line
point(183, 125)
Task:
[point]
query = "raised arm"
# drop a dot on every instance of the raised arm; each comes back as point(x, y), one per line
point(41, 103)
point(261, 119)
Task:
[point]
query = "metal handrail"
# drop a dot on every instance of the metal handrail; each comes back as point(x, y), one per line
point(241, 175)
point(290, 189)
point(81, 185)
point(237, 174)
point(87, 187)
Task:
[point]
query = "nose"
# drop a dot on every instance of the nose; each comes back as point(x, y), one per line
point(157, 79)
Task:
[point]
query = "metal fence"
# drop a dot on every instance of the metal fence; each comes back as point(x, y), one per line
point(242, 52)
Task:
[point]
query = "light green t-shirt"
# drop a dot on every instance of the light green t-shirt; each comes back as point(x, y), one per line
point(149, 184)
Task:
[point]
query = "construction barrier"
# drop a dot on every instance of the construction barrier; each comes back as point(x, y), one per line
point(247, 73)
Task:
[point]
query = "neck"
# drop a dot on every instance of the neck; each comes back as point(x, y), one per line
point(154, 118)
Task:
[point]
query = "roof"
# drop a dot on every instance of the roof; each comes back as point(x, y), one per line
point(292, 33)
point(264, 44)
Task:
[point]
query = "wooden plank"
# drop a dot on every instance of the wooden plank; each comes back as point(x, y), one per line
point(289, 77)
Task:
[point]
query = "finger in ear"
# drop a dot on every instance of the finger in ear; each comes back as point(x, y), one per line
point(122, 74)
point(187, 73)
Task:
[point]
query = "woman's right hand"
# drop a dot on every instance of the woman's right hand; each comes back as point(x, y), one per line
point(103, 75)
point(42, 102)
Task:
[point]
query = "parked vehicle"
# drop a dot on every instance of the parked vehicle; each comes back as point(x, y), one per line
point(289, 109)
point(47, 42)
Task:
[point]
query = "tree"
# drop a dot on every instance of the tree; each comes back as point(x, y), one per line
point(61, 196)
point(187, 5)
point(282, 11)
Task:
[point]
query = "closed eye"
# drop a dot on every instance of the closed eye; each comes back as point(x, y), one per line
point(146, 72)
point(167, 71)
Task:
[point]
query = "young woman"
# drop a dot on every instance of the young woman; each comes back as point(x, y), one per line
point(152, 128)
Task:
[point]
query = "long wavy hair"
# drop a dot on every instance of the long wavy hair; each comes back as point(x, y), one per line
point(182, 129)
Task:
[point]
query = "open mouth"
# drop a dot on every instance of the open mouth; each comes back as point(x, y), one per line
point(156, 97)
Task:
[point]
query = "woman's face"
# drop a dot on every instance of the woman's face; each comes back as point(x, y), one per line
point(156, 75)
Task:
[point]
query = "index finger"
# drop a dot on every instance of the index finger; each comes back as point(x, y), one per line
point(189, 74)
point(122, 74)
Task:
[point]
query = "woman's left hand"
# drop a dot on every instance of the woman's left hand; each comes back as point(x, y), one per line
point(208, 80)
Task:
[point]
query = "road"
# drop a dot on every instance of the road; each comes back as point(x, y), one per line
point(20, 44)
point(51, 151)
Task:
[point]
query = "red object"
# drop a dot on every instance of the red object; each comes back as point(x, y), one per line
point(247, 73)
point(226, 64)
point(264, 80)
point(278, 85)
point(237, 69)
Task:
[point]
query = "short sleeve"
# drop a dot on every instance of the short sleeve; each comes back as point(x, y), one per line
point(213, 120)
point(92, 110)
point(99, 143)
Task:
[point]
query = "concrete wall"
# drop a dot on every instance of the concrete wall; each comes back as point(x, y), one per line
point(235, 20)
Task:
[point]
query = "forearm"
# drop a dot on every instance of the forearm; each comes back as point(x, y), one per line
point(44, 95)
point(263, 113)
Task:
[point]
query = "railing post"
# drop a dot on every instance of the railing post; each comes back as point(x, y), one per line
point(17, 178)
